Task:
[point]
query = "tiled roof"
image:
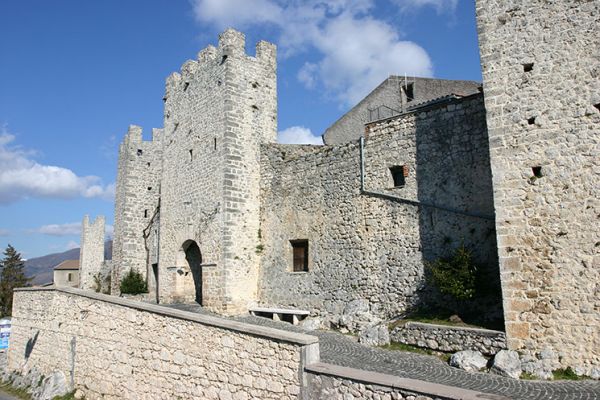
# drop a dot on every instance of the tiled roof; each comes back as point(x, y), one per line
point(67, 264)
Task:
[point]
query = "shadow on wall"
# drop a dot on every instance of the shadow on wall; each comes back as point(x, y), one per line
point(30, 345)
point(455, 191)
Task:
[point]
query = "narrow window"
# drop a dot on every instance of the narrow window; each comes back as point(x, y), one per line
point(176, 126)
point(537, 171)
point(409, 91)
point(185, 86)
point(300, 255)
point(191, 154)
point(165, 99)
point(145, 213)
point(149, 187)
point(215, 144)
point(69, 277)
point(399, 173)
point(528, 67)
point(224, 58)
point(139, 152)
point(531, 120)
point(148, 164)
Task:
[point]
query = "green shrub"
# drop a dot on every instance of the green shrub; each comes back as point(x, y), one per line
point(455, 276)
point(133, 283)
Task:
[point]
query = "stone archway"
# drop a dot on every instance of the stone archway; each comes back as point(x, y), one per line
point(190, 272)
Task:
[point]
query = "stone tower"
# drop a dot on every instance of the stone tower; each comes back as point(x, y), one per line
point(218, 111)
point(541, 71)
point(136, 201)
point(91, 255)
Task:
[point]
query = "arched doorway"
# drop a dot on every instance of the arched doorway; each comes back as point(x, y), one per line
point(190, 263)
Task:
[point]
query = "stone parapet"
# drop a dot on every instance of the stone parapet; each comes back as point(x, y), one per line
point(449, 338)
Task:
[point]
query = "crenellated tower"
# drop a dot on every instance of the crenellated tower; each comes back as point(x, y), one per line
point(136, 200)
point(218, 111)
point(91, 254)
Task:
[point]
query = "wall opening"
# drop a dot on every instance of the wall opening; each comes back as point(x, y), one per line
point(190, 272)
point(191, 151)
point(409, 91)
point(299, 255)
point(215, 144)
point(399, 174)
point(531, 120)
point(597, 106)
point(185, 86)
point(528, 67)
point(145, 213)
point(139, 152)
point(537, 171)
point(69, 277)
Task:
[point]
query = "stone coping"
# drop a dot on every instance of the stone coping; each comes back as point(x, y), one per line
point(480, 331)
point(224, 323)
point(410, 385)
point(279, 310)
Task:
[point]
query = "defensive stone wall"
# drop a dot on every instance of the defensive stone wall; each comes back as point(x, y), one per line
point(366, 250)
point(393, 94)
point(218, 111)
point(91, 257)
point(541, 71)
point(137, 200)
point(111, 348)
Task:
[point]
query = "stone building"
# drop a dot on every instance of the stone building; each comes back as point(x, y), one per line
point(212, 210)
point(67, 273)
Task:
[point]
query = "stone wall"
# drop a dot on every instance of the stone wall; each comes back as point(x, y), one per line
point(366, 250)
point(449, 338)
point(91, 256)
point(136, 200)
point(326, 381)
point(112, 348)
point(218, 111)
point(391, 93)
point(541, 71)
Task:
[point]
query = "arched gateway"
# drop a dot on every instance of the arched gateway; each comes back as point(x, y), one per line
point(189, 273)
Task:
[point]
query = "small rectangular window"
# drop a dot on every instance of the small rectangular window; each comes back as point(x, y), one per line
point(537, 172)
point(409, 91)
point(69, 277)
point(528, 67)
point(399, 173)
point(145, 213)
point(300, 255)
point(191, 155)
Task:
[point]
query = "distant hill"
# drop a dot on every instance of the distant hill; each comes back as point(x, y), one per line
point(41, 267)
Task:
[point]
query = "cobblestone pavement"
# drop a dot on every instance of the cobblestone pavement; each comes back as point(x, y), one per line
point(339, 349)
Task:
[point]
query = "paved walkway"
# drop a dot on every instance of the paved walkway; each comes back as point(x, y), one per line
point(338, 349)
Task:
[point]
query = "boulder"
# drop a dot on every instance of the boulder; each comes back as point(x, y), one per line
point(469, 360)
point(507, 363)
point(52, 386)
point(310, 323)
point(377, 335)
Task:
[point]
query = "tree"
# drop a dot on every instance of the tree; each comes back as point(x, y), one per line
point(12, 276)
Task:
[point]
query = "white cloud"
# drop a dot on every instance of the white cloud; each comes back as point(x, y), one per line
point(21, 177)
point(72, 228)
point(71, 245)
point(298, 135)
point(357, 51)
point(441, 6)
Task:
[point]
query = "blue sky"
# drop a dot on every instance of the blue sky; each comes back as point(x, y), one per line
point(74, 74)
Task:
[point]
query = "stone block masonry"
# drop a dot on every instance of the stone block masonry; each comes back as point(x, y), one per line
point(366, 253)
point(91, 258)
point(541, 79)
point(112, 348)
point(449, 338)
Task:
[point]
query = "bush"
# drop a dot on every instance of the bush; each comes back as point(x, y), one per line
point(455, 276)
point(133, 283)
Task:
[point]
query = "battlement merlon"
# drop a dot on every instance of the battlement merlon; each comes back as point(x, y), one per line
point(232, 44)
point(133, 139)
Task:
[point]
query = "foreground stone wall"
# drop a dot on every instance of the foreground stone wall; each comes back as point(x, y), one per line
point(541, 71)
point(449, 338)
point(366, 251)
point(111, 348)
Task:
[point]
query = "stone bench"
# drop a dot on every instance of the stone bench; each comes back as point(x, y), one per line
point(280, 314)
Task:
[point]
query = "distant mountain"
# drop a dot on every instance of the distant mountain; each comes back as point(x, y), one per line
point(41, 268)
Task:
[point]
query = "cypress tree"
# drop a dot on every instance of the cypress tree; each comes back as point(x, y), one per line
point(12, 275)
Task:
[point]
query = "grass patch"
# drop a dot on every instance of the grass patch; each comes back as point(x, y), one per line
point(17, 392)
point(527, 376)
point(566, 374)
point(418, 350)
point(68, 396)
